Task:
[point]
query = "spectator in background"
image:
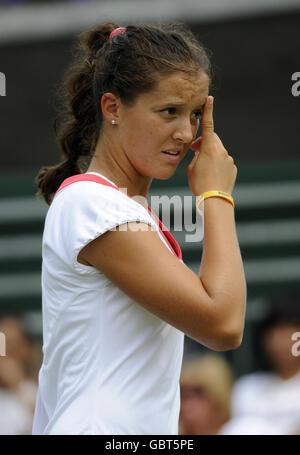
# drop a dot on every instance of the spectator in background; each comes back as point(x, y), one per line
point(268, 402)
point(15, 417)
point(206, 383)
point(18, 378)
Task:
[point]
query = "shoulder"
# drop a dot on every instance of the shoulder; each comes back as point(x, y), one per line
point(251, 380)
point(87, 198)
point(248, 388)
point(83, 211)
point(80, 191)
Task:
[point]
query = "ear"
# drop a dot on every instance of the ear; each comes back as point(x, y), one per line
point(110, 105)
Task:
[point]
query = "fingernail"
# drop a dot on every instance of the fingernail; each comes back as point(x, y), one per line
point(210, 100)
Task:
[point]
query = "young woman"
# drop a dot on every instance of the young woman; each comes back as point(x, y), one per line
point(117, 297)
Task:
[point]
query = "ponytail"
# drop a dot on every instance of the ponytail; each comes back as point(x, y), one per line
point(78, 135)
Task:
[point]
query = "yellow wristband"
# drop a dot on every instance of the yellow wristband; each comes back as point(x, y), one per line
point(217, 193)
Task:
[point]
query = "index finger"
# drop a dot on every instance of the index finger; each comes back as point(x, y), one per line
point(207, 124)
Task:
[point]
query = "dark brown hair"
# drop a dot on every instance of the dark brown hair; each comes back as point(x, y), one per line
point(127, 65)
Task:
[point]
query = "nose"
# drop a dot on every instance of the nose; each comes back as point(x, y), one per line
point(185, 131)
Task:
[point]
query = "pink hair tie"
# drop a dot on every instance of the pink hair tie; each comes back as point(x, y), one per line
point(116, 31)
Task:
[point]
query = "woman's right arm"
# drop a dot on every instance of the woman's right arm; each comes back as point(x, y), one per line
point(139, 263)
point(210, 307)
point(222, 272)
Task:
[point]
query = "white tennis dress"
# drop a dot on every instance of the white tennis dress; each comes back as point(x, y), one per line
point(109, 366)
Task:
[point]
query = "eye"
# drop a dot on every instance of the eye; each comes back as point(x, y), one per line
point(199, 113)
point(172, 109)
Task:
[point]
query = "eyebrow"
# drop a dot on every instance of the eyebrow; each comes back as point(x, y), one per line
point(177, 103)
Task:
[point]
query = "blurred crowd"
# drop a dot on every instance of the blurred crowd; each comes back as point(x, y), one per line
point(265, 402)
point(18, 377)
point(213, 401)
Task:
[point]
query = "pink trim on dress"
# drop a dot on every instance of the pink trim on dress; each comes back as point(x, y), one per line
point(171, 241)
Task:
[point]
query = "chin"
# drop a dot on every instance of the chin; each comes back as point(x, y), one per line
point(159, 173)
point(165, 174)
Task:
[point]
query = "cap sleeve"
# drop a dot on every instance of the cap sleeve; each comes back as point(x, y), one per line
point(91, 210)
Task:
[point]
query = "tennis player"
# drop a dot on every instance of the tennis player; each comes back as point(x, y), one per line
point(117, 297)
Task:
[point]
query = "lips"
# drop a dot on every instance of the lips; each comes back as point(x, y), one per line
point(172, 158)
point(173, 152)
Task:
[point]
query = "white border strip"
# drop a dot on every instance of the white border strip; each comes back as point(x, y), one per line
point(256, 271)
point(264, 233)
point(266, 270)
point(21, 247)
point(252, 195)
point(252, 234)
point(22, 209)
point(20, 285)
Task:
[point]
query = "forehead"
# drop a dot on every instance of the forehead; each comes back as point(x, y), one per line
point(181, 87)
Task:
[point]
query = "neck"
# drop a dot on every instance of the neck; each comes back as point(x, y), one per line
point(288, 372)
point(117, 168)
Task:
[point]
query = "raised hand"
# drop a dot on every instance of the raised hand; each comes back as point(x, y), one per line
point(211, 168)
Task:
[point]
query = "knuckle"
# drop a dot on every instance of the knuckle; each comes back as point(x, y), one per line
point(208, 124)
